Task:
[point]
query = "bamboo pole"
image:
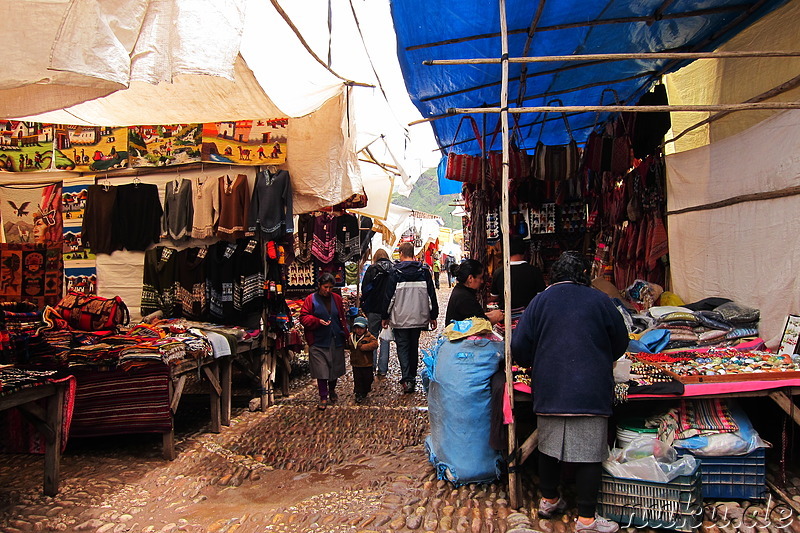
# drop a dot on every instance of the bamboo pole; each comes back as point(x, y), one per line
point(590, 23)
point(652, 56)
point(775, 91)
point(513, 482)
point(713, 108)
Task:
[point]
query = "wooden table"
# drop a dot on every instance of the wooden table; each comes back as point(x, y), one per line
point(218, 373)
point(48, 421)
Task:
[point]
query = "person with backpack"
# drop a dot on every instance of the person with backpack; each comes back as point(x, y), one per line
point(412, 307)
point(373, 299)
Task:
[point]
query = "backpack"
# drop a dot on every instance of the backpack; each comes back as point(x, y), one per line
point(382, 271)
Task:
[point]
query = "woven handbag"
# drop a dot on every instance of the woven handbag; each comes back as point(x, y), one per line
point(556, 162)
point(464, 167)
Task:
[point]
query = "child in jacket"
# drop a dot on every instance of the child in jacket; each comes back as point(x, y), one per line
point(362, 344)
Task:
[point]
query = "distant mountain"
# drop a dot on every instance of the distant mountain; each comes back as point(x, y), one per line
point(425, 197)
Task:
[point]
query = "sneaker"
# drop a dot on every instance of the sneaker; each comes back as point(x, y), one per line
point(380, 375)
point(600, 525)
point(408, 388)
point(547, 509)
point(333, 397)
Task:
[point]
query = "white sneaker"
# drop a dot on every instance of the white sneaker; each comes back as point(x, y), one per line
point(599, 525)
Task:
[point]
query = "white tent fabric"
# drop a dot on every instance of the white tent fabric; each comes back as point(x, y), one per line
point(748, 251)
point(149, 40)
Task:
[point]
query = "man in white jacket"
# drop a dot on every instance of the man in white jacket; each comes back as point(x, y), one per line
point(412, 307)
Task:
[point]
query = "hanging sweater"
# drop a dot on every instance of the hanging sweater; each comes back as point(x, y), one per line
point(271, 205)
point(97, 218)
point(137, 216)
point(323, 244)
point(348, 241)
point(234, 207)
point(178, 210)
point(205, 207)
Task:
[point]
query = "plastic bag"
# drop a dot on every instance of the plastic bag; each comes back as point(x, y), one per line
point(649, 459)
point(386, 334)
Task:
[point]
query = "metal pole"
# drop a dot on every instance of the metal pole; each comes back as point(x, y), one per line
point(513, 487)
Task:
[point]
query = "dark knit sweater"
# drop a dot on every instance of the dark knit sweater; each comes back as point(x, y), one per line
point(570, 334)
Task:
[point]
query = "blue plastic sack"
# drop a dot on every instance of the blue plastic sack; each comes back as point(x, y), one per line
point(459, 408)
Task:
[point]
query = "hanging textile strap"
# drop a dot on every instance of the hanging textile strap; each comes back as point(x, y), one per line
point(563, 116)
point(475, 130)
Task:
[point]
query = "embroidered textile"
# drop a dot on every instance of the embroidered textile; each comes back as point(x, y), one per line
point(323, 244)
point(30, 272)
point(32, 214)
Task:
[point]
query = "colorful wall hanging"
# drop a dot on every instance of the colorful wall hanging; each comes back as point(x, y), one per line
point(80, 279)
point(25, 146)
point(91, 148)
point(73, 201)
point(31, 272)
point(157, 146)
point(246, 142)
point(31, 214)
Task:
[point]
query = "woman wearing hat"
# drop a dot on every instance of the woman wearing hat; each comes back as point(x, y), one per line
point(362, 346)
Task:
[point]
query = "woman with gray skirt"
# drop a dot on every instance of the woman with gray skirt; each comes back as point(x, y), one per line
point(325, 325)
point(571, 334)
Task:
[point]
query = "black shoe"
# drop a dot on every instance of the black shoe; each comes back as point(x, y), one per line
point(408, 388)
point(333, 397)
point(360, 398)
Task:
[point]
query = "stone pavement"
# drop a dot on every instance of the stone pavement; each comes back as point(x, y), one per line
point(351, 468)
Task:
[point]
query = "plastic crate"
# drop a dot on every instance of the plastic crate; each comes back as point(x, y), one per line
point(734, 476)
point(676, 505)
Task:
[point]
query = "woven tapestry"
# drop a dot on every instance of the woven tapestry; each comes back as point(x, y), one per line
point(32, 214)
point(31, 272)
point(246, 142)
point(163, 145)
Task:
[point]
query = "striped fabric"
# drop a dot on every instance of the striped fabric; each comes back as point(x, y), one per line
point(702, 417)
point(118, 402)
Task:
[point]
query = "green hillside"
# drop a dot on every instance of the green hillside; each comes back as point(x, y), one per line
point(425, 197)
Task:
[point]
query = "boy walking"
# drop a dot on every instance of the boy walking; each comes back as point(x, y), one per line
point(362, 346)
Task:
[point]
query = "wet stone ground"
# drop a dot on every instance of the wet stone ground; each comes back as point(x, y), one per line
point(351, 468)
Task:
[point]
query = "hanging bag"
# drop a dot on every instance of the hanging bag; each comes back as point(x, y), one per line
point(556, 162)
point(86, 312)
point(616, 155)
point(463, 167)
point(519, 164)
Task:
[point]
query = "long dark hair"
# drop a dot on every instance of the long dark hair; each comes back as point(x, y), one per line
point(467, 268)
point(571, 266)
point(326, 277)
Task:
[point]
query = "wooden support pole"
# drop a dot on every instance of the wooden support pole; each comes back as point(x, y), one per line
point(513, 460)
point(713, 108)
point(638, 56)
point(225, 382)
point(215, 393)
point(52, 451)
point(263, 380)
point(175, 393)
point(785, 402)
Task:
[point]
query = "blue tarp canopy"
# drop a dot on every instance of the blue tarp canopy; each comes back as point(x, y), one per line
point(460, 29)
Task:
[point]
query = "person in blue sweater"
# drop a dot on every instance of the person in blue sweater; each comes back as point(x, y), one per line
point(570, 335)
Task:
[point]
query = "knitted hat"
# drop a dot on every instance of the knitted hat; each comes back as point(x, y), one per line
point(360, 321)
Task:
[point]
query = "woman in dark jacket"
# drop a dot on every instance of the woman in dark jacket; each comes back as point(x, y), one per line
point(325, 325)
point(373, 301)
point(464, 302)
point(571, 334)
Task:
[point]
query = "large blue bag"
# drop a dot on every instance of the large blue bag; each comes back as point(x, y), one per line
point(459, 408)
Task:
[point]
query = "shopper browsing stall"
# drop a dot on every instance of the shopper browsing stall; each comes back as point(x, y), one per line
point(412, 307)
point(325, 325)
point(373, 299)
point(464, 302)
point(570, 335)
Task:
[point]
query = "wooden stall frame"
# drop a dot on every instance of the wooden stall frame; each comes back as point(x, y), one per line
point(48, 422)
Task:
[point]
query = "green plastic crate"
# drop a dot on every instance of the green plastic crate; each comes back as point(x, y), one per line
point(676, 505)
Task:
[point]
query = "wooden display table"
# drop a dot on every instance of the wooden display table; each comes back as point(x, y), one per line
point(48, 421)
